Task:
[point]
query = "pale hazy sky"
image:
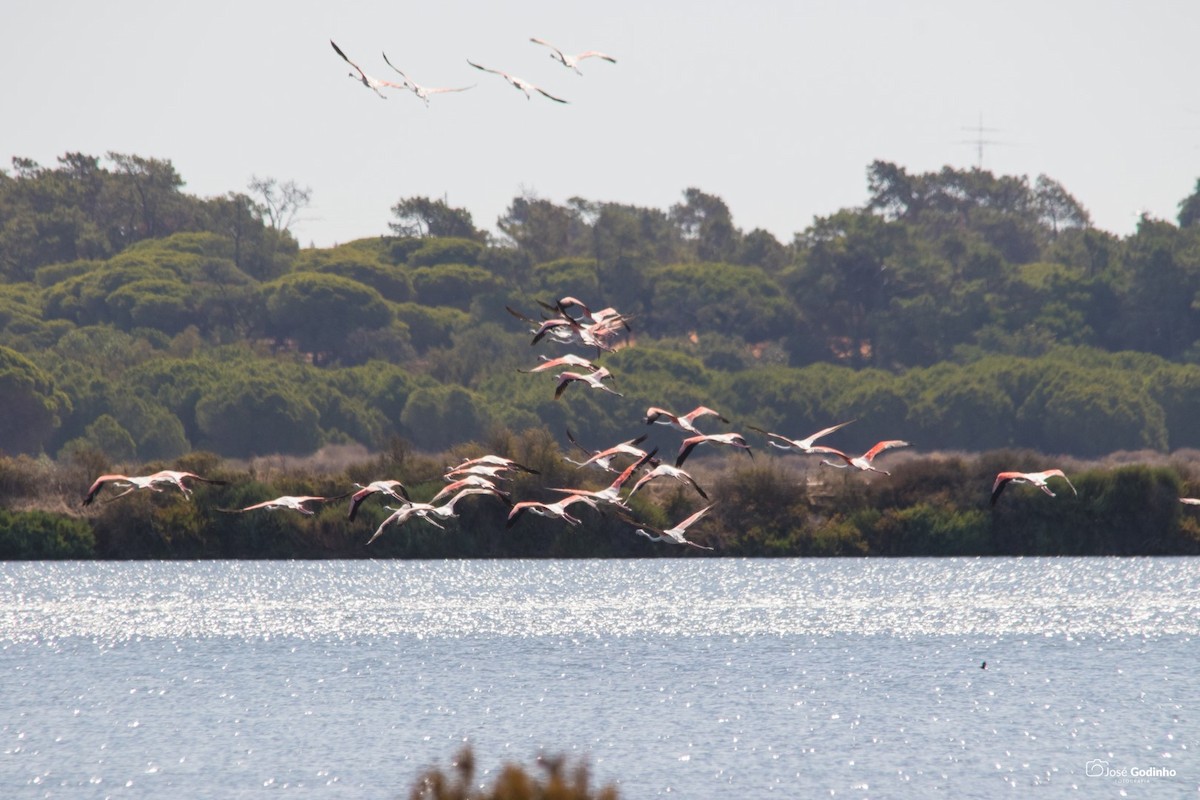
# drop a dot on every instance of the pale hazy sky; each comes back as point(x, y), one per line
point(776, 107)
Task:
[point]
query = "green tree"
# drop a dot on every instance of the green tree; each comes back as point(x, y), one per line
point(320, 311)
point(31, 402)
point(250, 415)
point(422, 217)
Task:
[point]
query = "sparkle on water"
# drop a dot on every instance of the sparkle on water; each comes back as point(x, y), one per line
point(696, 677)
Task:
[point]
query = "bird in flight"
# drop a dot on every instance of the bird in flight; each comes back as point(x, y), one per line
point(685, 423)
point(391, 488)
point(374, 84)
point(863, 462)
point(671, 535)
point(731, 439)
point(572, 61)
point(423, 92)
point(799, 445)
point(299, 503)
point(524, 85)
point(1038, 479)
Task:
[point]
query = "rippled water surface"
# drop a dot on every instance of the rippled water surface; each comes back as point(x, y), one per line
point(696, 677)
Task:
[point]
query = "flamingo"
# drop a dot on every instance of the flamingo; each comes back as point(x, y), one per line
point(568, 360)
point(177, 478)
point(1038, 479)
point(492, 461)
point(133, 483)
point(471, 482)
point(374, 84)
point(666, 471)
point(685, 423)
point(603, 316)
point(569, 60)
point(486, 470)
point(556, 510)
point(862, 462)
point(731, 439)
point(401, 515)
point(393, 489)
point(799, 445)
point(592, 379)
point(523, 85)
point(671, 535)
point(1190, 501)
point(612, 492)
point(295, 503)
point(603, 458)
point(420, 91)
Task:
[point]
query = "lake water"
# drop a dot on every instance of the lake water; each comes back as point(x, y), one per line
point(693, 678)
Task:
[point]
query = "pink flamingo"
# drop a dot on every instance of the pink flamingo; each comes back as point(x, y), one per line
point(685, 423)
point(862, 462)
point(731, 439)
point(556, 510)
point(671, 535)
point(612, 492)
point(799, 445)
point(1038, 479)
point(572, 61)
point(666, 471)
point(374, 84)
point(592, 379)
point(523, 85)
point(391, 488)
point(299, 503)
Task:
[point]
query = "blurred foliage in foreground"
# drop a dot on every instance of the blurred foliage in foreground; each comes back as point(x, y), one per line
point(557, 782)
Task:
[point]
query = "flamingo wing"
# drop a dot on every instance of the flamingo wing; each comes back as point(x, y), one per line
point(1002, 480)
point(881, 446)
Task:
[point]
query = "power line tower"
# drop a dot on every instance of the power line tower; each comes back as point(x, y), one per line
point(979, 141)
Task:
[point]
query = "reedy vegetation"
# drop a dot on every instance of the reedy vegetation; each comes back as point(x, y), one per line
point(960, 310)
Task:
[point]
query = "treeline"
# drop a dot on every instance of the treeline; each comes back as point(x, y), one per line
point(955, 309)
point(769, 506)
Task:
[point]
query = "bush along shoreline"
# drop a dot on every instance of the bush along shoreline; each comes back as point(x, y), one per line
point(769, 506)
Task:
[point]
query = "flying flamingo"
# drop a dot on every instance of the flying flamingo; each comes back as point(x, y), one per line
point(671, 535)
point(1190, 501)
point(556, 510)
point(130, 483)
point(427, 511)
point(862, 462)
point(393, 489)
point(666, 471)
point(471, 482)
point(568, 360)
point(178, 478)
point(603, 458)
point(685, 423)
point(612, 492)
point(374, 84)
point(524, 85)
point(1038, 479)
point(731, 439)
point(295, 503)
point(799, 445)
point(587, 317)
point(592, 379)
point(420, 91)
point(569, 60)
point(490, 460)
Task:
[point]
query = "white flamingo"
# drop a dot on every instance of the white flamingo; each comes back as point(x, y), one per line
point(731, 439)
point(469, 482)
point(524, 85)
point(685, 423)
point(428, 511)
point(799, 445)
point(671, 535)
point(556, 510)
point(604, 458)
point(299, 503)
point(391, 488)
point(1190, 501)
point(374, 84)
point(666, 471)
point(420, 91)
point(1037, 479)
point(490, 461)
point(592, 379)
point(862, 462)
point(572, 61)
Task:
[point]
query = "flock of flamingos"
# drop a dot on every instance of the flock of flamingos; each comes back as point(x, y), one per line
point(569, 322)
